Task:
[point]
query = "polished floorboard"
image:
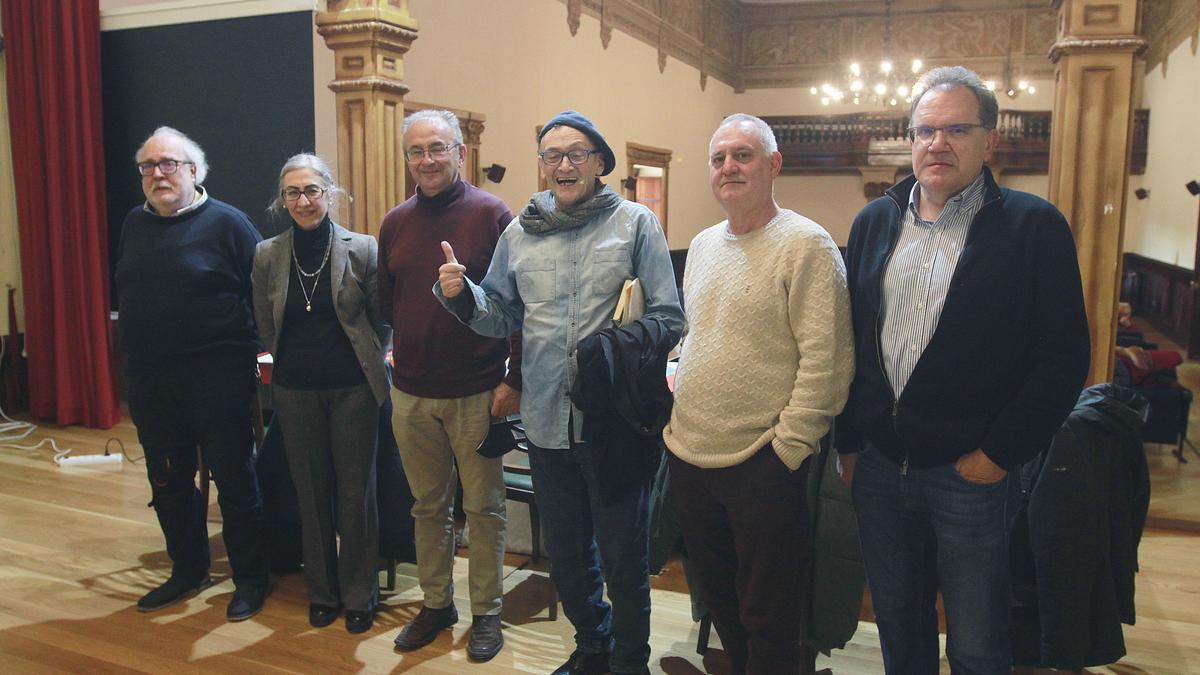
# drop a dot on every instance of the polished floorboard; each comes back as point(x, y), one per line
point(78, 546)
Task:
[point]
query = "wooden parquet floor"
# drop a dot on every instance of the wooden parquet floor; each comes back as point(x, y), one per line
point(78, 547)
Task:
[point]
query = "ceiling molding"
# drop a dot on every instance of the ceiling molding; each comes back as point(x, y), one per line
point(760, 45)
point(1166, 24)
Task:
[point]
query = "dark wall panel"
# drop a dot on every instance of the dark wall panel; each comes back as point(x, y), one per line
point(241, 88)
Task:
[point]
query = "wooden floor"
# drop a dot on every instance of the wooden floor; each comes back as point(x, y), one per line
point(78, 547)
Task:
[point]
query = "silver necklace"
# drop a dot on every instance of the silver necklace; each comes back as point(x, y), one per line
point(315, 276)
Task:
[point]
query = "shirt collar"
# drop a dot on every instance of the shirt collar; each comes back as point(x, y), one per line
point(969, 199)
point(197, 202)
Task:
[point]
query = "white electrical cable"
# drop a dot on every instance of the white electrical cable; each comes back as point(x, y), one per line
point(12, 430)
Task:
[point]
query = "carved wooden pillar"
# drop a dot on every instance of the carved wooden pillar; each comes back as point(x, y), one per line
point(1089, 150)
point(369, 39)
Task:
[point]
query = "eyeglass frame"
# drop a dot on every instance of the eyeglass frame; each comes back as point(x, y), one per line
point(948, 130)
point(542, 156)
point(435, 155)
point(321, 193)
point(146, 168)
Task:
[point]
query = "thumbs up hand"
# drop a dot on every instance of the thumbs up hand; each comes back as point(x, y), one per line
point(450, 274)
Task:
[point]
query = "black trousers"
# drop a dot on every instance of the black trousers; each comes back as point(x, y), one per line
point(746, 531)
point(201, 402)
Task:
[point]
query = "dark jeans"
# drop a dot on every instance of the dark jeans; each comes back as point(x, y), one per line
point(746, 531)
point(927, 530)
point(201, 402)
point(576, 524)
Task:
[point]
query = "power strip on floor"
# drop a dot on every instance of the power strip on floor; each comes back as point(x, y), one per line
point(81, 460)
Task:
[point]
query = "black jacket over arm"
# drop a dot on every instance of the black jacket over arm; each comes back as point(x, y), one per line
point(621, 388)
point(1010, 351)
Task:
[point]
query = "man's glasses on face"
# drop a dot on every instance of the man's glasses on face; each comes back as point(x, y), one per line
point(436, 152)
point(312, 192)
point(953, 132)
point(166, 166)
point(554, 157)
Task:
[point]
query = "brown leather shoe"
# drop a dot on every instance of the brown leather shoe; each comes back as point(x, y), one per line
point(423, 629)
point(486, 638)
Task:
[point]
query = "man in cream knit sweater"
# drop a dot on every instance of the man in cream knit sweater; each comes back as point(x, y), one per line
point(765, 367)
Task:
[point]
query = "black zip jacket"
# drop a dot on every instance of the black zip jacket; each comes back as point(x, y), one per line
point(1010, 351)
point(1075, 539)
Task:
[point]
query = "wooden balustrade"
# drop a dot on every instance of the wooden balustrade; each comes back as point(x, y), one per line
point(815, 143)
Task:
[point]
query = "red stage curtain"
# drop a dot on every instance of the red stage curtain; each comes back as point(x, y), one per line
point(52, 49)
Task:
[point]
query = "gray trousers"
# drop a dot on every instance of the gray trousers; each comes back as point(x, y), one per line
point(330, 436)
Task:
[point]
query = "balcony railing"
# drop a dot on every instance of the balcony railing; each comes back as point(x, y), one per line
point(817, 143)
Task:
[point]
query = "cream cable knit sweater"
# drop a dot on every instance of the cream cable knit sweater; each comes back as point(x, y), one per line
point(769, 352)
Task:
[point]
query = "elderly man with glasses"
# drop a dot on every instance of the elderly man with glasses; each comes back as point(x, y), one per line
point(972, 344)
point(187, 332)
point(557, 274)
point(448, 382)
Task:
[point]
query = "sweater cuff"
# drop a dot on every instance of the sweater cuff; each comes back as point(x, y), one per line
point(791, 455)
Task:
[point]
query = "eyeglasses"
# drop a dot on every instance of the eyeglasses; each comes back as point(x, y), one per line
point(953, 132)
point(554, 157)
point(166, 166)
point(313, 192)
point(739, 156)
point(436, 152)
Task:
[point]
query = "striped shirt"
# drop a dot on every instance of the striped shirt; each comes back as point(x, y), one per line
point(918, 277)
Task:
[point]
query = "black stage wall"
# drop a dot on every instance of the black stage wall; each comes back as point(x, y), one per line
point(241, 88)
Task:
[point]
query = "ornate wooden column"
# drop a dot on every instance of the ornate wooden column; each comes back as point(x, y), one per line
point(369, 39)
point(1089, 150)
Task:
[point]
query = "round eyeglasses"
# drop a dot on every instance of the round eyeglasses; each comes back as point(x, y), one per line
point(312, 192)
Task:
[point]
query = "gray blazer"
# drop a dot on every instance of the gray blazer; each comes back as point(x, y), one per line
point(352, 266)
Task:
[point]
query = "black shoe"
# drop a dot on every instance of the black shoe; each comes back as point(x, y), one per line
point(171, 591)
point(247, 601)
point(320, 616)
point(359, 621)
point(486, 638)
point(584, 663)
point(423, 629)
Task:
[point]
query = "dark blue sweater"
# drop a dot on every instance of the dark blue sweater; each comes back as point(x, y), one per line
point(183, 284)
point(1011, 349)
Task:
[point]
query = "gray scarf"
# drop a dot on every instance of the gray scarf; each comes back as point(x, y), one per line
point(543, 216)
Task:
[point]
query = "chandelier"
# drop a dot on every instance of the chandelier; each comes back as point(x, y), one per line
point(1009, 87)
point(884, 85)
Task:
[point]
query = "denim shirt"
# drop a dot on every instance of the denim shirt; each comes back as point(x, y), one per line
point(557, 289)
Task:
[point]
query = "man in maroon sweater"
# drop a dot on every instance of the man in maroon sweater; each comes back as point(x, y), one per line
point(449, 381)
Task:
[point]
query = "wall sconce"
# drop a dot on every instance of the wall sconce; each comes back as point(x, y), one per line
point(494, 173)
point(629, 183)
point(1141, 193)
point(1193, 187)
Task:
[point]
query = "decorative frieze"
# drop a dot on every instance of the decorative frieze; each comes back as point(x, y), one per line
point(789, 45)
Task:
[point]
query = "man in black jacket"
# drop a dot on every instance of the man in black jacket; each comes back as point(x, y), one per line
point(971, 345)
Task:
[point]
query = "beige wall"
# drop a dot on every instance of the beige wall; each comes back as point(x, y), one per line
point(529, 67)
point(1163, 226)
point(10, 258)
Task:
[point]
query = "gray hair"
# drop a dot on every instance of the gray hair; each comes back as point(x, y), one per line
point(766, 135)
point(313, 163)
point(449, 118)
point(190, 150)
point(952, 77)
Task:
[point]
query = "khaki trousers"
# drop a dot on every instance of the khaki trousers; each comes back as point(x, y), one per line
point(437, 440)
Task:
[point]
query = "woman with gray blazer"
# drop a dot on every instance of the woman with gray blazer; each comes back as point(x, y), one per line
point(314, 299)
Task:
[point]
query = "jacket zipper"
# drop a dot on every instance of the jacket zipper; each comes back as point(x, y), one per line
point(879, 333)
point(879, 327)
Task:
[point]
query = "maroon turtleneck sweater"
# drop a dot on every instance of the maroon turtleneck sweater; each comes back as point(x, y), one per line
point(435, 355)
